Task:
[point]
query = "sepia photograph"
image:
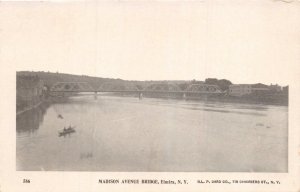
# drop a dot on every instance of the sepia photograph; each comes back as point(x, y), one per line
point(190, 93)
point(76, 113)
point(80, 123)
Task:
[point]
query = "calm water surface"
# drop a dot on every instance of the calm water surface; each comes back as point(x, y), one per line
point(127, 134)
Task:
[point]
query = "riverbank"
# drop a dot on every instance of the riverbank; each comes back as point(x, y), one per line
point(255, 100)
point(29, 108)
point(42, 102)
point(279, 100)
point(48, 100)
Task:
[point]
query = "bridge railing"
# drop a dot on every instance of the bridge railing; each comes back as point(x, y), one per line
point(116, 87)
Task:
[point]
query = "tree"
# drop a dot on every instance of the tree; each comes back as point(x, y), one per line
point(211, 81)
point(183, 86)
point(222, 83)
point(139, 87)
point(194, 81)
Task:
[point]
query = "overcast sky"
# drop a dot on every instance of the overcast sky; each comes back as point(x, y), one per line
point(243, 41)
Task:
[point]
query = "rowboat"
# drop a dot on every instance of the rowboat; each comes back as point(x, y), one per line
point(67, 131)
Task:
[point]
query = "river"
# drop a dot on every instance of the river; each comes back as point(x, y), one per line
point(126, 134)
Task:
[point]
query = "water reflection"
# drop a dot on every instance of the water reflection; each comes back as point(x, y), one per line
point(30, 121)
point(215, 107)
point(226, 111)
point(128, 134)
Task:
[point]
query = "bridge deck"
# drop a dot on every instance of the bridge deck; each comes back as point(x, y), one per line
point(128, 91)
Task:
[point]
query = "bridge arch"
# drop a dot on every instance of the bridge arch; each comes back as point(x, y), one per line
point(163, 87)
point(205, 88)
point(119, 86)
point(71, 87)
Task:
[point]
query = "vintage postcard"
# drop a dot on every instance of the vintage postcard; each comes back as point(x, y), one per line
point(150, 95)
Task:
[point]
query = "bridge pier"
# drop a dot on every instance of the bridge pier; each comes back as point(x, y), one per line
point(96, 95)
point(184, 96)
point(140, 95)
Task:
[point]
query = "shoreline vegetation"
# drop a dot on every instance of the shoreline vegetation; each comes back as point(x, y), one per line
point(33, 88)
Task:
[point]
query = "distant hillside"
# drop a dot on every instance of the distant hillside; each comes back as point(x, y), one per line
point(51, 78)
